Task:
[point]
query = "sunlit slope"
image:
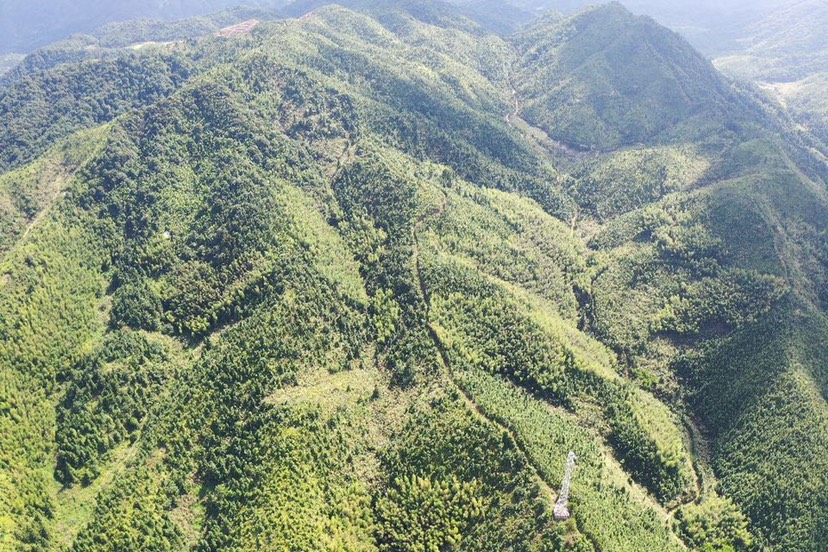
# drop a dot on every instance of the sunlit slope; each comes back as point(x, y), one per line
point(605, 79)
point(336, 286)
point(698, 242)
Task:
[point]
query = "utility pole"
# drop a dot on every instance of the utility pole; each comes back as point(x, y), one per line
point(561, 510)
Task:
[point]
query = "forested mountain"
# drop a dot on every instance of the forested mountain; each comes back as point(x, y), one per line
point(786, 54)
point(361, 280)
point(788, 45)
point(713, 26)
point(29, 24)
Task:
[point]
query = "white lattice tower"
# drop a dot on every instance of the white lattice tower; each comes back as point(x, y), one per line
point(561, 510)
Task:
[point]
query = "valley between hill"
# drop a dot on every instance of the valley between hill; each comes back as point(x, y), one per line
point(361, 280)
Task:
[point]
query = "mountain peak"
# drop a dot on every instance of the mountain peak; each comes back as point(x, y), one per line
point(632, 78)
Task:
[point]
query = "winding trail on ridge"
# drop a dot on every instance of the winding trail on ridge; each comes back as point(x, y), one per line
point(445, 362)
point(60, 185)
point(699, 455)
point(515, 113)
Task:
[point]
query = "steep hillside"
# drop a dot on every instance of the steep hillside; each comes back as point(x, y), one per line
point(361, 281)
point(607, 79)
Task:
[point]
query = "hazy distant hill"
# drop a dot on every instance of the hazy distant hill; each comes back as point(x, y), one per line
point(29, 24)
point(606, 78)
point(807, 100)
point(712, 26)
point(26, 25)
point(787, 52)
point(115, 39)
point(8, 61)
point(786, 46)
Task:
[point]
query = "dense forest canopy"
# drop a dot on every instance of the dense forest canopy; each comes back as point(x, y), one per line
point(361, 277)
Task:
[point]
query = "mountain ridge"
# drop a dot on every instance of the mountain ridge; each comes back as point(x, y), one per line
point(323, 284)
